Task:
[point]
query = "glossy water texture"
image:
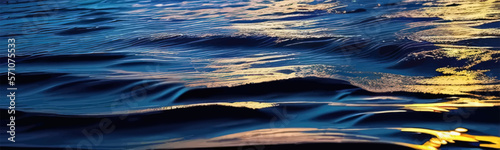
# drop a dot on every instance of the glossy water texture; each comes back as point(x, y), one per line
point(120, 74)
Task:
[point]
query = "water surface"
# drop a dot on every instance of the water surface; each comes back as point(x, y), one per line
point(216, 73)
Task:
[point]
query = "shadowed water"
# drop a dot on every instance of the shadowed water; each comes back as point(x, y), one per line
point(287, 74)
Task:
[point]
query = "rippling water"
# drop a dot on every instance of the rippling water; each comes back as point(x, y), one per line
point(300, 74)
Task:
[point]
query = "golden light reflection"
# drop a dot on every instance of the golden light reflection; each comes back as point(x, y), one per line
point(277, 136)
point(463, 16)
point(473, 55)
point(247, 76)
point(249, 104)
point(459, 80)
point(232, 64)
point(285, 7)
point(454, 81)
point(250, 10)
point(239, 71)
point(458, 135)
point(455, 10)
point(451, 105)
point(428, 107)
point(281, 29)
point(259, 17)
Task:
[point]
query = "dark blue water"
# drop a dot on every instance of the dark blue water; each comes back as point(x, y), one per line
point(130, 74)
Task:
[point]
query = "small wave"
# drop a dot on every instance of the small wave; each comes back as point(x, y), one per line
point(81, 30)
point(234, 41)
point(284, 87)
point(89, 57)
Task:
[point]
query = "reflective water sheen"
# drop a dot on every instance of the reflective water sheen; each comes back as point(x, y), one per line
point(302, 74)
